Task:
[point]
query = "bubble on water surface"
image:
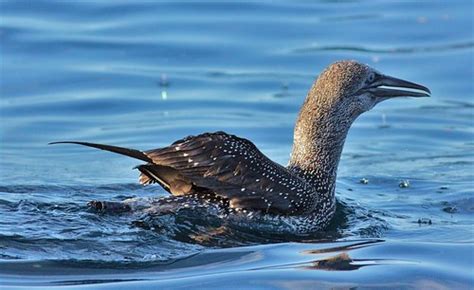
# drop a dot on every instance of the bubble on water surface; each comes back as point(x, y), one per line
point(364, 181)
point(404, 183)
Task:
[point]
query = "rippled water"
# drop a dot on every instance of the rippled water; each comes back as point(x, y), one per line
point(142, 75)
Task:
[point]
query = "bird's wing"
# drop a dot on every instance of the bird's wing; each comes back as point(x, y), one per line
point(219, 166)
point(169, 178)
point(233, 168)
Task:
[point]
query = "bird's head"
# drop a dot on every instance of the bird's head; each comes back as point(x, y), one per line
point(342, 92)
point(352, 88)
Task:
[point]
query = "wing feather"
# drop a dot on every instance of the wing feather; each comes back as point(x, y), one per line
point(221, 167)
point(235, 169)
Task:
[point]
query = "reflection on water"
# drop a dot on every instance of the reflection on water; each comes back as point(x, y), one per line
point(145, 74)
point(336, 263)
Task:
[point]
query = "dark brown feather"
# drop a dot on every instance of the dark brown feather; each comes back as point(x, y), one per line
point(219, 166)
point(235, 169)
point(169, 178)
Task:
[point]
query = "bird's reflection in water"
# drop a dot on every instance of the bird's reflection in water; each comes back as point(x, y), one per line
point(352, 246)
point(341, 261)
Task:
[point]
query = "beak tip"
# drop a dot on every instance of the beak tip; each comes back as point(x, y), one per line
point(426, 90)
point(427, 93)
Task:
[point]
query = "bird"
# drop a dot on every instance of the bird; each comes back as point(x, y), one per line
point(224, 169)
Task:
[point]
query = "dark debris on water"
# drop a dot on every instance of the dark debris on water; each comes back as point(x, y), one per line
point(424, 221)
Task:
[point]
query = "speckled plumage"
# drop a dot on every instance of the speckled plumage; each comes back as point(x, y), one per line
point(230, 172)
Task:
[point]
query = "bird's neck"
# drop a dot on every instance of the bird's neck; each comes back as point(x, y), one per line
point(319, 137)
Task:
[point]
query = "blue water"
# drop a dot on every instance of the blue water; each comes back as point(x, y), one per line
point(142, 75)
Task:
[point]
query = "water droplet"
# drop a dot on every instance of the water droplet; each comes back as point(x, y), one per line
point(404, 184)
point(164, 95)
point(364, 181)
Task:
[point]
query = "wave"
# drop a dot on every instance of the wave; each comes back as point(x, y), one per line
point(392, 50)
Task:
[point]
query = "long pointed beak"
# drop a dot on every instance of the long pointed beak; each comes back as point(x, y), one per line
point(386, 83)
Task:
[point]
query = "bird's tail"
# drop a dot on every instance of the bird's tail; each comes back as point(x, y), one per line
point(120, 150)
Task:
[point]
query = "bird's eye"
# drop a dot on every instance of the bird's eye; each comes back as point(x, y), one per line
point(371, 77)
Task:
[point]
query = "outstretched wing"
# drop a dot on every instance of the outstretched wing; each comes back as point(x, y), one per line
point(233, 168)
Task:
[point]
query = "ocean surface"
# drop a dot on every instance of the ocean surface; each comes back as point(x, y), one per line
point(143, 74)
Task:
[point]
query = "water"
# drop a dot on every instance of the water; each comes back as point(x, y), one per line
point(145, 74)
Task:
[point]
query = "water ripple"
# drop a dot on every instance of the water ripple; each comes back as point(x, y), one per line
point(394, 50)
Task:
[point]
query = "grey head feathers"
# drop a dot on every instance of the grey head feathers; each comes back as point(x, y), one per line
point(342, 92)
